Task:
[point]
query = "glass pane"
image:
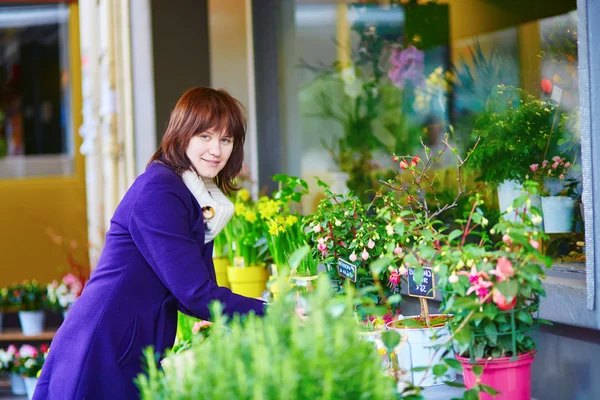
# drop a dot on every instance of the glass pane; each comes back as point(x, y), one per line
point(379, 79)
point(36, 135)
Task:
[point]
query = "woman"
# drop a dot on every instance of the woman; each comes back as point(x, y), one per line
point(157, 257)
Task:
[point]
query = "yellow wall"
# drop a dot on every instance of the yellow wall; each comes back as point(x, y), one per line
point(31, 207)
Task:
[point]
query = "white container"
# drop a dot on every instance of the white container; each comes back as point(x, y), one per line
point(508, 191)
point(558, 214)
point(30, 384)
point(17, 384)
point(420, 351)
point(32, 322)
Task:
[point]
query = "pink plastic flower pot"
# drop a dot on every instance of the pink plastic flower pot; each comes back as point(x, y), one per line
point(512, 378)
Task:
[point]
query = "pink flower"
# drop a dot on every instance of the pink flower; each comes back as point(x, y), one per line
point(545, 164)
point(506, 239)
point(555, 165)
point(322, 246)
point(353, 257)
point(407, 66)
point(317, 229)
point(480, 287)
point(394, 280)
point(12, 350)
point(504, 269)
point(365, 255)
point(567, 164)
point(499, 299)
point(398, 250)
point(403, 164)
point(534, 167)
point(28, 351)
point(371, 244)
point(535, 244)
point(556, 158)
point(561, 177)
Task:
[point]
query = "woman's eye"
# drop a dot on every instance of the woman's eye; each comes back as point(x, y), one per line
point(204, 137)
point(226, 140)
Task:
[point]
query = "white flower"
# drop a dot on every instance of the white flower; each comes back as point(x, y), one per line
point(390, 230)
point(509, 209)
point(29, 363)
point(402, 270)
point(453, 278)
point(484, 222)
point(536, 219)
point(352, 85)
point(27, 351)
point(317, 229)
point(436, 269)
point(528, 203)
point(338, 222)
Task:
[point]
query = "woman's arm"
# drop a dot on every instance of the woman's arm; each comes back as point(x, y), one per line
point(159, 226)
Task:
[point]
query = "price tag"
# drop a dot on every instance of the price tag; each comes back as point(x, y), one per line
point(347, 270)
point(425, 288)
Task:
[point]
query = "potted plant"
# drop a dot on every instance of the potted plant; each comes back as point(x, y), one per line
point(9, 362)
point(30, 299)
point(4, 303)
point(31, 360)
point(61, 296)
point(515, 130)
point(278, 356)
point(247, 274)
point(556, 183)
point(493, 294)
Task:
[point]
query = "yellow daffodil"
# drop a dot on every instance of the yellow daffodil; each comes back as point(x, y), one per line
point(250, 216)
point(244, 195)
point(291, 220)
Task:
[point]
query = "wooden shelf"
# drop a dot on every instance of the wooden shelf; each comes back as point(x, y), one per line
point(16, 335)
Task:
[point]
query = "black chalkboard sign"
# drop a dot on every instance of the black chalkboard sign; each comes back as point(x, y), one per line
point(347, 270)
point(421, 289)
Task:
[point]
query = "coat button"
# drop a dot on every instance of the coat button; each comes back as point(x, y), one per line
point(208, 212)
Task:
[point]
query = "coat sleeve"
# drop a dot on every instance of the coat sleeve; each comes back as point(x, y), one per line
point(159, 226)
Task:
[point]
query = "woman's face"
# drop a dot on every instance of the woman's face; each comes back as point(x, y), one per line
point(209, 151)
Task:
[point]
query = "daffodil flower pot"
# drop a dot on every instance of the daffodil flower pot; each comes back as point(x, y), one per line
point(248, 281)
point(17, 384)
point(32, 322)
point(30, 384)
point(221, 264)
point(508, 191)
point(420, 349)
point(558, 213)
point(507, 375)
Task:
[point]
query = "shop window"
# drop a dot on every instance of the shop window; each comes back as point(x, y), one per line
point(36, 136)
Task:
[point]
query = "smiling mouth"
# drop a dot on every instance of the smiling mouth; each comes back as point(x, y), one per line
point(214, 162)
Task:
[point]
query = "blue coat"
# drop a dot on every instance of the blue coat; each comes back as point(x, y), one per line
point(154, 262)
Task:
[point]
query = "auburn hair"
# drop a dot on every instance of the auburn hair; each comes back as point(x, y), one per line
point(202, 109)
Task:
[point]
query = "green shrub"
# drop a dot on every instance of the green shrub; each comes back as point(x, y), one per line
point(276, 357)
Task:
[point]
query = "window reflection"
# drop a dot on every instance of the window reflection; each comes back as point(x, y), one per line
point(35, 129)
point(377, 79)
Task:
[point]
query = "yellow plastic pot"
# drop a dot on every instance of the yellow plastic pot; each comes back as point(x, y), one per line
point(248, 281)
point(277, 286)
point(221, 265)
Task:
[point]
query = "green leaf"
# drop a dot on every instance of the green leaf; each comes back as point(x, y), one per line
point(420, 369)
point(453, 363)
point(297, 256)
point(390, 339)
point(411, 261)
point(440, 369)
point(471, 394)
point(418, 275)
point(465, 303)
point(488, 389)
point(399, 228)
point(525, 317)
point(454, 384)
point(492, 332)
point(395, 299)
point(477, 370)
point(508, 288)
point(380, 265)
point(410, 323)
point(454, 234)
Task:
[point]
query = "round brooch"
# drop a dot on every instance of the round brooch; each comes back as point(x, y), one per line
point(208, 212)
